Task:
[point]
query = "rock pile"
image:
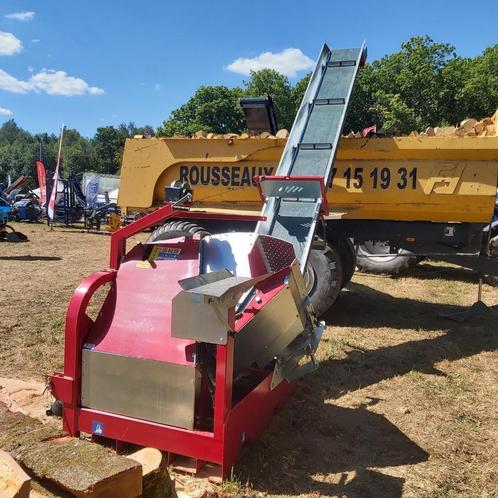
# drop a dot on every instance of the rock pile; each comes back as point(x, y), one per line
point(201, 134)
point(486, 127)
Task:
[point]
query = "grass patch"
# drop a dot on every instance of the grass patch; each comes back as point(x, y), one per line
point(231, 486)
point(333, 348)
point(56, 323)
point(468, 419)
point(448, 386)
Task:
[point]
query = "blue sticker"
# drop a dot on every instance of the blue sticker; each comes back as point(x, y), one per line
point(98, 428)
point(168, 253)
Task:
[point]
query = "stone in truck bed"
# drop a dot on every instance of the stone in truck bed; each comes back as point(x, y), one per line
point(83, 468)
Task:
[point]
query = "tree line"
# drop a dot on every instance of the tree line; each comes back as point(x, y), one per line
point(424, 84)
point(19, 150)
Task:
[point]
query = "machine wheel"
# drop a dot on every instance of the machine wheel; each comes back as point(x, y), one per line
point(347, 253)
point(323, 278)
point(493, 251)
point(491, 280)
point(174, 229)
point(376, 257)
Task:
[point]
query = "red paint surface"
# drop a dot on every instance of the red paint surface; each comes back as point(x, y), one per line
point(137, 322)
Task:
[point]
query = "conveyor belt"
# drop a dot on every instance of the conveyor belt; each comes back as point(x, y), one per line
point(311, 148)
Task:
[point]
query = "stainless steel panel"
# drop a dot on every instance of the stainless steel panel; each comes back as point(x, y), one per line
point(203, 279)
point(297, 286)
point(139, 388)
point(227, 290)
point(201, 313)
point(199, 320)
point(227, 250)
point(270, 331)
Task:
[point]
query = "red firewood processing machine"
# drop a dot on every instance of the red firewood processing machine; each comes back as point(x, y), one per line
point(199, 339)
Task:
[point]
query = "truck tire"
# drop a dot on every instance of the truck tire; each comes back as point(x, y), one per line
point(347, 253)
point(371, 259)
point(491, 280)
point(175, 229)
point(493, 251)
point(323, 278)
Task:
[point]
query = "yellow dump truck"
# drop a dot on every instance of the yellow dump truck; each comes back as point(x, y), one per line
point(425, 195)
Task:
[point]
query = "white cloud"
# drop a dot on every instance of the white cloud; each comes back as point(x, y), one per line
point(11, 84)
point(289, 62)
point(59, 83)
point(35, 40)
point(31, 69)
point(9, 44)
point(50, 82)
point(21, 16)
point(5, 112)
point(157, 87)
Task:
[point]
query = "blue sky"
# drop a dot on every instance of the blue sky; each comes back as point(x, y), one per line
point(93, 63)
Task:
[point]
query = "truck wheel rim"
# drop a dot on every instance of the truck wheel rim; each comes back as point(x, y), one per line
point(309, 278)
point(379, 248)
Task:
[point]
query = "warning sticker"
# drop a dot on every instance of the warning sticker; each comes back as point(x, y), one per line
point(97, 428)
point(143, 264)
point(161, 253)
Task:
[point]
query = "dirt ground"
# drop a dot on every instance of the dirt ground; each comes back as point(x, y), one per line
point(404, 403)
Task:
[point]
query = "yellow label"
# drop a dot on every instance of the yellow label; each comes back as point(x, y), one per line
point(161, 253)
point(143, 264)
point(154, 253)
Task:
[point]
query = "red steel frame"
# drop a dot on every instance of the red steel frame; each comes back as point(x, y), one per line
point(233, 425)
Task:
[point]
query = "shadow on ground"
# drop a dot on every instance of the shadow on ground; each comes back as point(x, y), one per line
point(81, 230)
point(426, 270)
point(360, 306)
point(361, 368)
point(30, 258)
point(311, 438)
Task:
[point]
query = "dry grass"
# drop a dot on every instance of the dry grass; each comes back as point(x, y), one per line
point(404, 403)
point(38, 279)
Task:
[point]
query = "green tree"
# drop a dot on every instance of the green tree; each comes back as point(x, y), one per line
point(470, 86)
point(268, 82)
point(20, 149)
point(212, 108)
point(129, 130)
point(76, 153)
point(298, 92)
point(217, 109)
point(17, 151)
point(403, 90)
point(107, 147)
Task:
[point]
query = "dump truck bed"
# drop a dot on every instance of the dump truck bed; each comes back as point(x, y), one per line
point(421, 178)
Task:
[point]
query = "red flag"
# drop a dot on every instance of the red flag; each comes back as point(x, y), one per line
point(368, 131)
point(42, 182)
